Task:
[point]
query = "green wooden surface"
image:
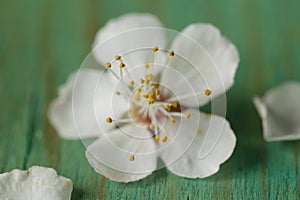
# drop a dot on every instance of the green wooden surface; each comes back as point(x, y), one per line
point(42, 41)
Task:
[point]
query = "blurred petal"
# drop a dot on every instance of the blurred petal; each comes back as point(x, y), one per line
point(280, 112)
point(128, 33)
point(214, 57)
point(213, 145)
point(109, 155)
point(35, 184)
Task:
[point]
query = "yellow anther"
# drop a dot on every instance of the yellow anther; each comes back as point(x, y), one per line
point(164, 139)
point(167, 107)
point(142, 81)
point(156, 138)
point(155, 84)
point(171, 53)
point(122, 65)
point(149, 77)
point(174, 104)
point(131, 157)
point(152, 126)
point(146, 96)
point(131, 83)
point(150, 101)
point(118, 93)
point(139, 90)
point(207, 92)
point(109, 120)
point(187, 115)
point(151, 95)
point(147, 81)
point(155, 49)
point(108, 65)
point(173, 121)
point(199, 131)
point(147, 65)
point(157, 92)
point(117, 57)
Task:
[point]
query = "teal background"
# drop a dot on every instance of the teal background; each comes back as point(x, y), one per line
point(42, 41)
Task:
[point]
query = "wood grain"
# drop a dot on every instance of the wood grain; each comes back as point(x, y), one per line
point(41, 42)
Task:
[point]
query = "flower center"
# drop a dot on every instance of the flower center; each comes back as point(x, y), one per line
point(151, 104)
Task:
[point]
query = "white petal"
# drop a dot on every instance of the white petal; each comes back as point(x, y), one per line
point(35, 184)
point(127, 33)
point(180, 135)
point(214, 57)
point(109, 155)
point(80, 105)
point(213, 144)
point(280, 112)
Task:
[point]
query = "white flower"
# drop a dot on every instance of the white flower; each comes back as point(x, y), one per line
point(37, 183)
point(280, 112)
point(144, 107)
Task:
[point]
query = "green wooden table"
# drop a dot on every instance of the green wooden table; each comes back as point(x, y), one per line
point(42, 41)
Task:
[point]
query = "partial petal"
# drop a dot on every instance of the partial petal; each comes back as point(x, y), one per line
point(280, 112)
point(213, 144)
point(80, 105)
point(110, 155)
point(180, 136)
point(128, 33)
point(35, 184)
point(214, 57)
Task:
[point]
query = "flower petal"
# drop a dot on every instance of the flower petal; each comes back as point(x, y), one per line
point(35, 184)
point(214, 57)
point(109, 155)
point(213, 144)
point(128, 33)
point(73, 114)
point(280, 112)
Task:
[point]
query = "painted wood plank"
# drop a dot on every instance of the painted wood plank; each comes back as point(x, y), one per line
point(55, 37)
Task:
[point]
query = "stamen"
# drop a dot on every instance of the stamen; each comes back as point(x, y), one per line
point(167, 107)
point(151, 95)
point(122, 65)
point(108, 65)
point(164, 139)
point(155, 49)
point(189, 95)
point(131, 83)
point(109, 120)
point(174, 104)
point(157, 92)
point(124, 120)
point(152, 126)
point(207, 92)
point(118, 93)
point(173, 120)
point(150, 101)
point(117, 57)
point(187, 115)
point(171, 53)
point(131, 157)
point(156, 138)
point(155, 84)
point(146, 96)
point(147, 65)
point(199, 131)
point(149, 77)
